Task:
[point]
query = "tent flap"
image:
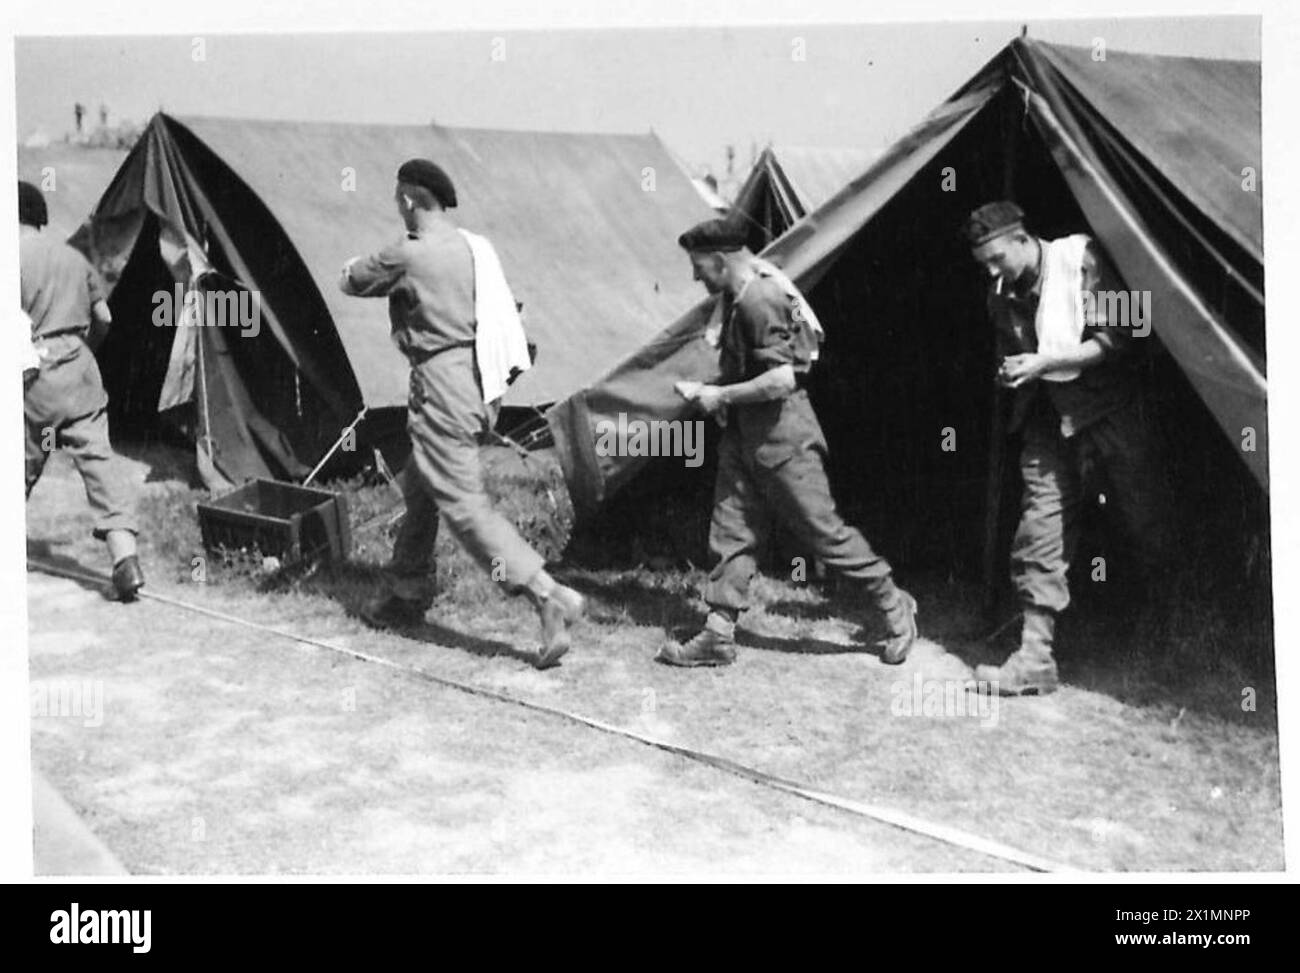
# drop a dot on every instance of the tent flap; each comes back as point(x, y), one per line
point(642, 386)
point(154, 229)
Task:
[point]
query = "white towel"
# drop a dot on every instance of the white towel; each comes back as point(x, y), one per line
point(24, 348)
point(1059, 321)
point(500, 346)
point(803, 310)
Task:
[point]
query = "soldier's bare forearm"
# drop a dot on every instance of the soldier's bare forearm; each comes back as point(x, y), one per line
point(1087, 354)
point(775, 383)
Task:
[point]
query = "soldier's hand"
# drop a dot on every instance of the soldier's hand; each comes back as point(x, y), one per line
point(1019, 369)
point(710, 398)
point(688, 390)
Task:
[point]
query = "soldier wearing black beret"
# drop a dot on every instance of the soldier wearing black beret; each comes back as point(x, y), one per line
point(429, 175)
point(771, 457)
point(429, 278)
point(713, 236)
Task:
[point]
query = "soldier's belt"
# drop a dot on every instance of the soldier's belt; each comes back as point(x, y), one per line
point(417, 358)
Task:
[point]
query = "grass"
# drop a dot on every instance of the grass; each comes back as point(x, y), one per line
point(1144, 761)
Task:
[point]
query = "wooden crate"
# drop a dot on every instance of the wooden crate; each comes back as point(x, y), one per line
point(279, 520)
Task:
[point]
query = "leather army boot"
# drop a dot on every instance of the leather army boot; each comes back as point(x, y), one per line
point(559, 609)
point(1030, 670)
point(714, 645)
point(128, 578)
point(899, 609)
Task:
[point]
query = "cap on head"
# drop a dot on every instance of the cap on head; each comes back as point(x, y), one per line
point(31, 205)
point(992, 220)
point(716, 235)
point(422, 172)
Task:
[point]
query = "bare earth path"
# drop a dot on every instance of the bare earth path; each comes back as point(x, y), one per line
point(219, 750)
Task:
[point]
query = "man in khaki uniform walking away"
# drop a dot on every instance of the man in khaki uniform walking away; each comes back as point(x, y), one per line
point(772, 455)
point(64, 402)
point(436, 279)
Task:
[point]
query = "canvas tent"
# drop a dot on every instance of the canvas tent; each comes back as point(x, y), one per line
point(1147, 153)
point(584, 226)
point(72, 177)
point(787, 184)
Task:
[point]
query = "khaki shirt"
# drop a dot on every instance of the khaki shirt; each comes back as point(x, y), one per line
point(428, 279)
point(759, 332)
point(59, 289)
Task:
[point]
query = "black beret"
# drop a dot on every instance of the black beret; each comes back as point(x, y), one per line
point(422, 172)
point(31, 205)
point(714, 235)
point(991, 221)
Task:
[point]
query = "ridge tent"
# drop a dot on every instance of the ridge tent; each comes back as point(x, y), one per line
point(583, 224)
point(71, 176)
point(1149, 154)
point(788, 183)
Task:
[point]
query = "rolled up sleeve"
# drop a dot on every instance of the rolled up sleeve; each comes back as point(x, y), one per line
point(774, 337)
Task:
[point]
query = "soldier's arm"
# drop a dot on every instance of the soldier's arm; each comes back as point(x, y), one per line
point(375, 275)
point(1110, 337)
point(1089, 353)
point(777, 345)
point(775, 383)
point(1101, 340)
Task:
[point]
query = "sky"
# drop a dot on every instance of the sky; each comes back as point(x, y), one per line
point(699, 88)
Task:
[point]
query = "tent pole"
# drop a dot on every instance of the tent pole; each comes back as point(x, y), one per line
point(206, 438)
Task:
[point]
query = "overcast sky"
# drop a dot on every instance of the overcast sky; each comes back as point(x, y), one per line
point(699, 88)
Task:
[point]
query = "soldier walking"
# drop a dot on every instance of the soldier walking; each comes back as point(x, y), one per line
point(434, 280)
point(64, 402)
point(772, 455)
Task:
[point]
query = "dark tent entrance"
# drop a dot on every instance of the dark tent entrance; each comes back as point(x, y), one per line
point(909, 363)
point(228, 423)
point(262, 388)
point(905, 391)
point(909, 355)
point(276, 208)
